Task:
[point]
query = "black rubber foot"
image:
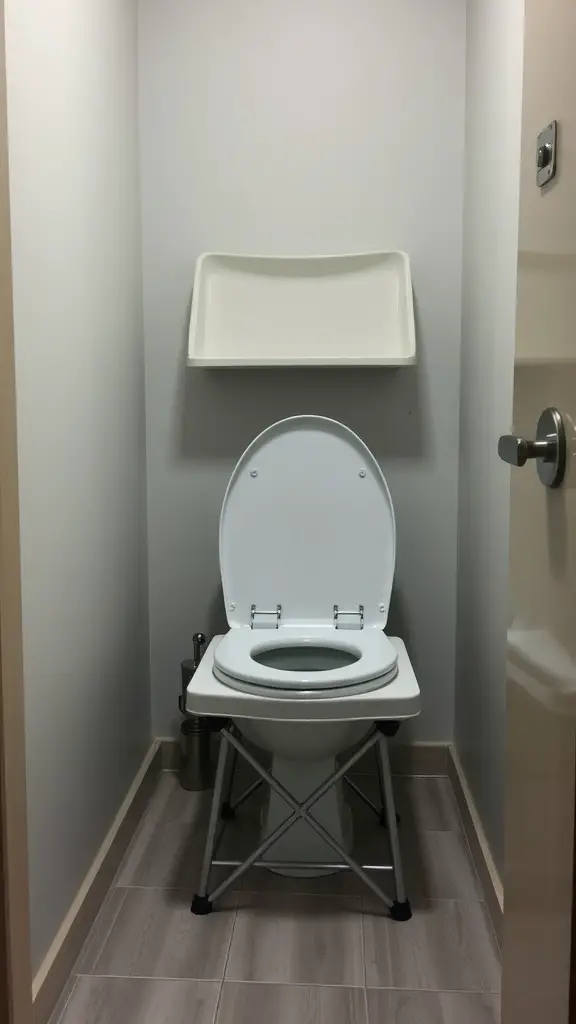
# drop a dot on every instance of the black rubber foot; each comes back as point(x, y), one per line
point(227, 812)
point(401, 911)
point(384, 819)
point(201, 905)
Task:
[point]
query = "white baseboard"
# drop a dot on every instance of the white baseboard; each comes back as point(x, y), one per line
point(58, 962)
point(479, 847)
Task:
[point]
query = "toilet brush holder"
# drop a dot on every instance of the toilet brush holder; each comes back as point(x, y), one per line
point(196, 773)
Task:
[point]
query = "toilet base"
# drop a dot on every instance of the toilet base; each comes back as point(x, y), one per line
point(301, 842)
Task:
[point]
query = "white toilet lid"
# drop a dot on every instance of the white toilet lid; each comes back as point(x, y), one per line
point(307, 523)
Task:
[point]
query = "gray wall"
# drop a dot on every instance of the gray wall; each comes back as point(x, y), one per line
point(276, 127)
point(72, 112)
point(493, 111)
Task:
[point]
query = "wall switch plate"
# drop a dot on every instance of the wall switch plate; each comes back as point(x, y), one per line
point(546, 154)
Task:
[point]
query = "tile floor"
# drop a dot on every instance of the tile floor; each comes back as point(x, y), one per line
point(290, 951)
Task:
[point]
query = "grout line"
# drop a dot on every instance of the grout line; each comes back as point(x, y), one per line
point(492, 931)
point(218, 1000)
point(478, 879)
point(171, 888)
point(304, 895)
point(345, 896)
point(417, 901)
point(160, 888)
point(60, 1017)
point(397, 775)
point(226, 960)
point(468, 847)
point(296, 984)
point(223, 981)
point(95, 958)
point(256, 892)
point(146, 820)
point(150, 977)
point(438, 991)
point(366, 1005)
point(363, 948)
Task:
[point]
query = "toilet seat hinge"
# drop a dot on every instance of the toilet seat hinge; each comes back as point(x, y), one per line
point(262, 619)
point(348, 619)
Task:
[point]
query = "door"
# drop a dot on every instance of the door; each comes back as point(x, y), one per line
point(15, 969)
point(541, 663)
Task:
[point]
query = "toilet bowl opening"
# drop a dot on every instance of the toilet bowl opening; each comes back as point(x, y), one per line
point(305, 658)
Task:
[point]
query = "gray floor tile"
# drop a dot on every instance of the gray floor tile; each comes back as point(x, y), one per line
point(168, 853)
point(99, 932)
point(141, 1001)
point(154, 935)
point(171, 804)
point(282, 939)
point(437, 865)
point(407, 760)
point(345, 883)
point(432, 1008)
point(56, 1015)
point(170, 834)
point(166, 856)
point(448, 945)
point(170, 857)
point(290, 1004)
point(423, 802)
point(297, 939)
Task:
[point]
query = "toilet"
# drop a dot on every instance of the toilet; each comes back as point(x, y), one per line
point(307, 555)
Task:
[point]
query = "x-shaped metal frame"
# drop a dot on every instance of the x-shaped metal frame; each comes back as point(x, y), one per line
point(203, 901)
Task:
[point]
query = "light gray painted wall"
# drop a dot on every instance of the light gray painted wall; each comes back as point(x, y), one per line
point(276, 127)
point(493, 112)
point(72, 99)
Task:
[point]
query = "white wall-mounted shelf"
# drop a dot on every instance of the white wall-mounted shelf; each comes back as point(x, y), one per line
point(352, 310)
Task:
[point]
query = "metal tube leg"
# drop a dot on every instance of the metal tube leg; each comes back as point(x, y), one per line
point(201, 904)
point(242, 868)
point(301, 810)
point(380, 785)
point(227, 812)
point(400, 910)
point(377, 810)
point(247, 794)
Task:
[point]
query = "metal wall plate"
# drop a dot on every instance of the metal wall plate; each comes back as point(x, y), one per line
point(551, 466)
point(546, 154)
point(549, 448)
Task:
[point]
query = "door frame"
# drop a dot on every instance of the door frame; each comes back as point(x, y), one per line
point(15, 959)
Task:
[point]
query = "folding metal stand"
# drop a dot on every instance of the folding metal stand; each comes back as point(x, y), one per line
point(231, 741)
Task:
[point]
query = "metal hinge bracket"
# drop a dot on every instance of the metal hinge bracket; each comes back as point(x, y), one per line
point(262, 619)
point(349, 619)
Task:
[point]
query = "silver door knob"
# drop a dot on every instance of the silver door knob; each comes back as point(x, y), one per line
point(549, 448)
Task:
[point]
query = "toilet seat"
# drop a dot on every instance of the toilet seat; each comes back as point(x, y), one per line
point(235, 664)
point(307, 554)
